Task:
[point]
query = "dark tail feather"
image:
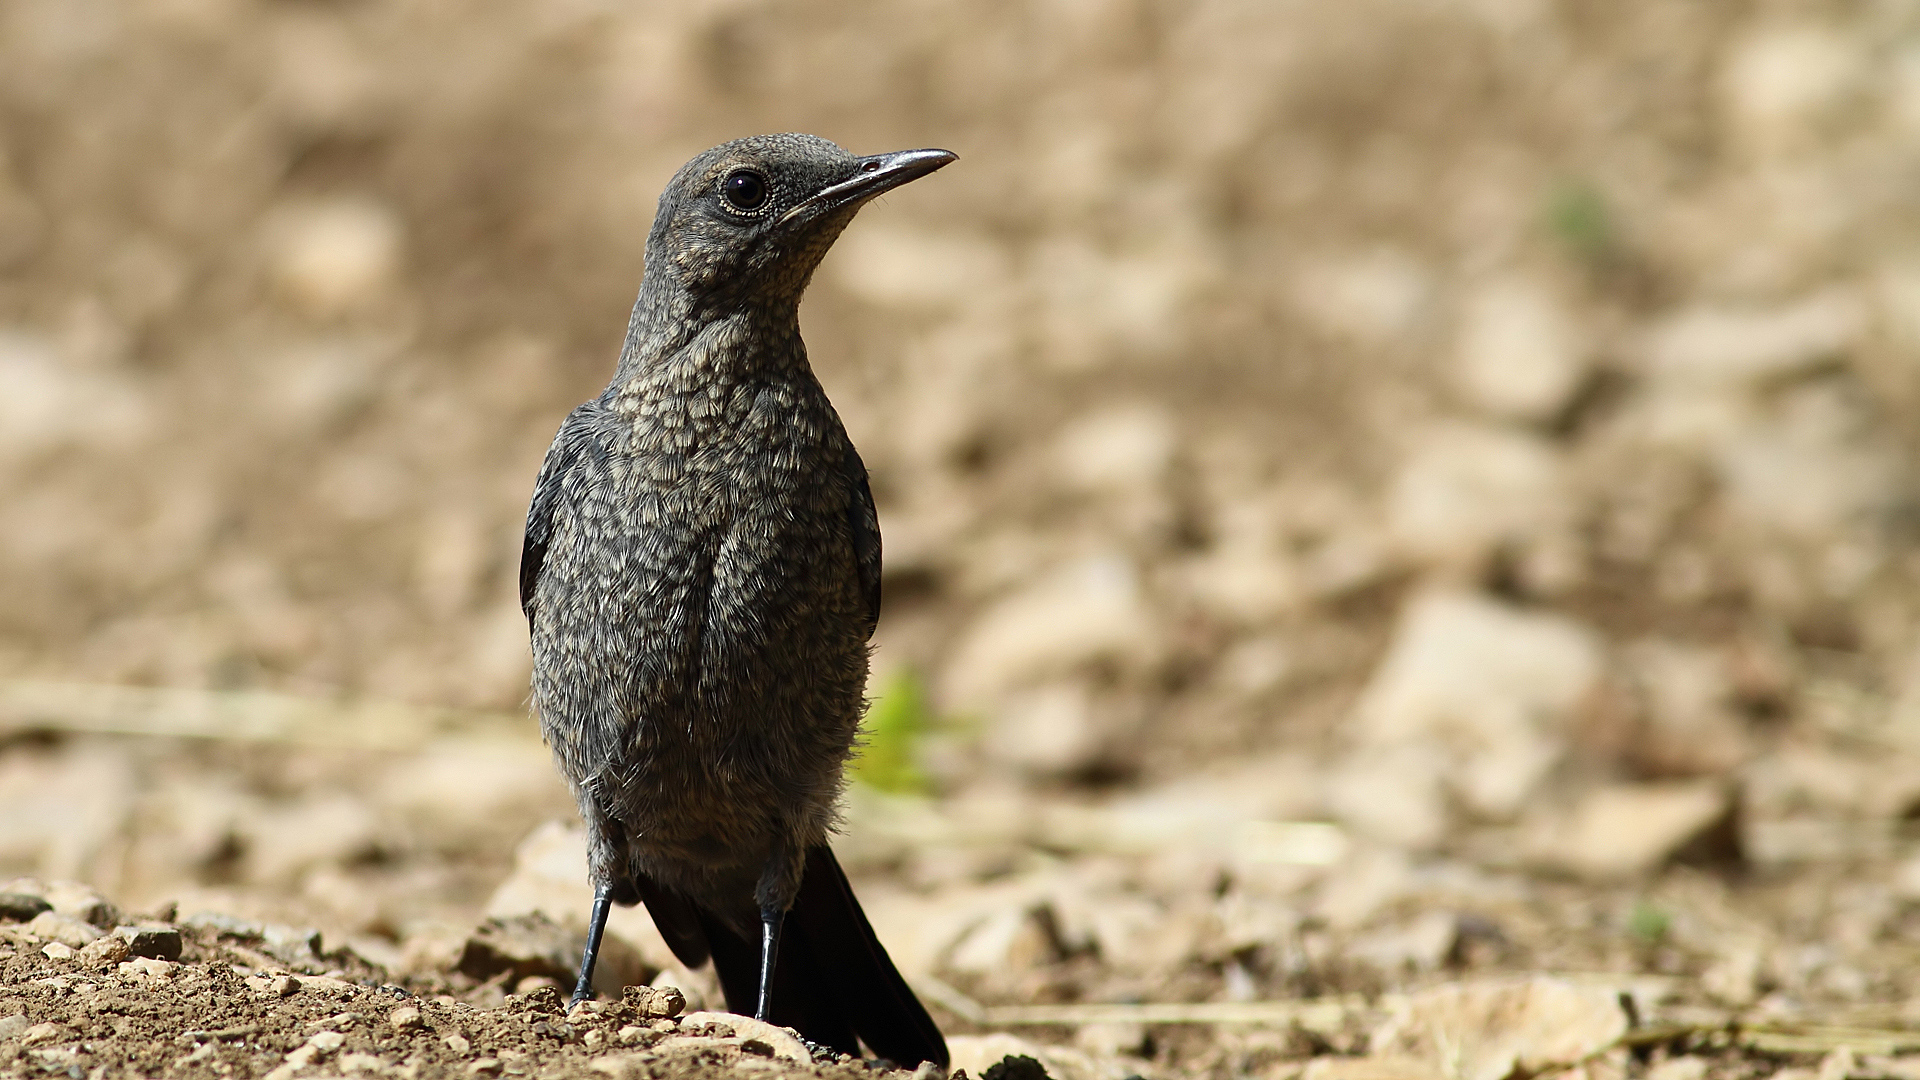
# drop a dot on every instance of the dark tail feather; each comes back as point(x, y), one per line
point(802, 987)
point(695, 936)
point(832, 982)
point(676, 919)
point(857, 975)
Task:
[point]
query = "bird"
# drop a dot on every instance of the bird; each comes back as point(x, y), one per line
point(701, 578)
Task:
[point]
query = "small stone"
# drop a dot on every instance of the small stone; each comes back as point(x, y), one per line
point(485, 1066)
point(283, 986)
point(665, 1026)
point(1016, 938)
point(1680, 1068)
point(149, 967)
point(1491, 682)
point(757, 1036)
point(633, 1034)
point(331, 256)
point(1464, 489)
point(1622, 830)
point(1488, 1031)
point(406, 1018)
point(1370, 1068)
point(42, 1033)
point(1837, 1065)
point(458, 1043)
point(1519, 356)
point(326, 1041)
point(293, 944)
point(66, 929)
point(151, 939)
point(525, 946)
point(21, 907)
point(711, 1025)
point(104, 951)
point(655, 1002)
point(79, 901)
point(1084, 611)
point(13, 1025)
point(594, 1039)
point(56, 950)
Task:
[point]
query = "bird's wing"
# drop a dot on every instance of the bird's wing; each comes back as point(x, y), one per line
point(574, 442)
point(865, 525)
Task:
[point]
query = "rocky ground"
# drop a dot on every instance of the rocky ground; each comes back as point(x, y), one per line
point(1386, 503)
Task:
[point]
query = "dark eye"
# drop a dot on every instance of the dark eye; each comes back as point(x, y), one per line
point(744, 190)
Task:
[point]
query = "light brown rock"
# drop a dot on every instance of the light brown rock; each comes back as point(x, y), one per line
point(1488, 1031)
point(1371, 1068)
point(1490, 685)
point(105, 950)
point(1622, 830)
point(754, 1036)
point(655, 1002)
point(66, 929)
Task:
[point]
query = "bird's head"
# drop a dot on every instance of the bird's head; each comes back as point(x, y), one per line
point(754, 217)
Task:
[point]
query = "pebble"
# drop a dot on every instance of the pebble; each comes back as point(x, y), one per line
point(1622, 830)
point(54, 926)
point(21, 907)
point(13, 1025)
point(655, 1002)
point(42, 1033)
point(154, 940)
point(485, 1066)
point(406, 1018)
point(56, 950)
point(326, 1041)
point(149, 967)
point(1496, 1028)
point(104, 951)
point(78, 901)
point(458, 1043)
point(756, 1036)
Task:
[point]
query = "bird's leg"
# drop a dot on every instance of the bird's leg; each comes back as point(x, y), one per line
point(771, 918)
point(596, 927)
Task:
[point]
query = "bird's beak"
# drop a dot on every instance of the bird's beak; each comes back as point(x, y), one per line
point(878, 173)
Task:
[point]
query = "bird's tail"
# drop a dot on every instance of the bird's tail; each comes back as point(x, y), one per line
point(832, 981)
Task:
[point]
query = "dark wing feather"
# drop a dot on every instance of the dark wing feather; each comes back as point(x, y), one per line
point(573, 441)
point(865, 525)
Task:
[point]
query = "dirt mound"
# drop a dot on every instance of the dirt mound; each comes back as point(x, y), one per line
point(225, 1006)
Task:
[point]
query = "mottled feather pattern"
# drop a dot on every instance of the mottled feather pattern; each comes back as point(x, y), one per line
point(725, 603)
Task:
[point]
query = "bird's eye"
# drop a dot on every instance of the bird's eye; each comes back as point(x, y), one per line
point(744, 190)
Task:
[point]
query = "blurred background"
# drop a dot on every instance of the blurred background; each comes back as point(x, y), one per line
point(1372, 489)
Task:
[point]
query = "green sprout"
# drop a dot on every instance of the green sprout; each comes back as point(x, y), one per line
point(897, 721)
point(1648, 922)
point(1577, 214)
